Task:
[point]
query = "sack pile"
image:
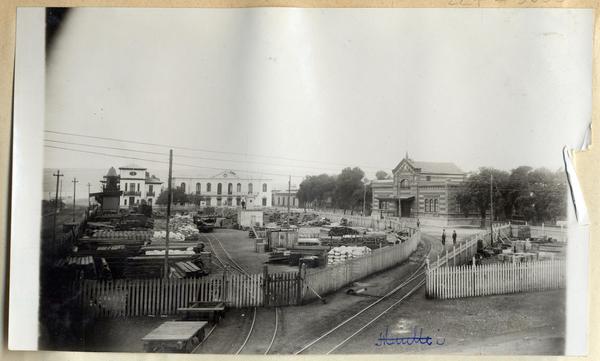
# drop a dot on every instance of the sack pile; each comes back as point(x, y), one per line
point(160, 236)
point(342, 254)
point(184, 225)
point(188, 251)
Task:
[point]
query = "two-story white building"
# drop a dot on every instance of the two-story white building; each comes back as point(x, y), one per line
point(228, 189)
point(137, 185)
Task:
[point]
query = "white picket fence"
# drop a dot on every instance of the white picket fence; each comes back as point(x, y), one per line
point(466, 249)
point(334, 277)
point(495, 279)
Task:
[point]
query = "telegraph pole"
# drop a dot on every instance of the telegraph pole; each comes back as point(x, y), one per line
point(288, 199)
point(364, 197)
point(89, 193)
point(491, 209)
point(75, 181)
point(57, 175)
point(169, 197)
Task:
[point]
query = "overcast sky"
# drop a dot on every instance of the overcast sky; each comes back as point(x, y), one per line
point(339, 87)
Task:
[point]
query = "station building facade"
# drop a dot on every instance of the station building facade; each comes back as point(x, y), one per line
point(423, 190)
point(281, 198)
point(228, 189)
point(137, 185)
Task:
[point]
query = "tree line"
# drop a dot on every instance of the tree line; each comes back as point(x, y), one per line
point(533, 195)
point(528, 194)
point(345, 191)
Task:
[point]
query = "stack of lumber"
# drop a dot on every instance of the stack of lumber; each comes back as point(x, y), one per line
point(186, 270)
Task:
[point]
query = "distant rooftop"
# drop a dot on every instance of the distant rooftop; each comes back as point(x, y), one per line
point(132, 166)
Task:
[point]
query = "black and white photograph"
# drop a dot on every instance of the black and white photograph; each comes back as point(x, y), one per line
point(287, 181)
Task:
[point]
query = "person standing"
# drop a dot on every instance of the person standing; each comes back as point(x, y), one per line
point(443, 237)
point(454, 237)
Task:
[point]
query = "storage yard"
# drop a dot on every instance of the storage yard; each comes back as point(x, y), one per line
point(226, 279)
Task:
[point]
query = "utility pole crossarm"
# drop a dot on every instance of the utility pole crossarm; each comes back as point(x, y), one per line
point(57, 175)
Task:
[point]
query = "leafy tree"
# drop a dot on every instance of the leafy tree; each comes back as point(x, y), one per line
point(316, 191)
point(534, 195)
point(178, 196)
point(475, 194)
point(381, 175)
point(349, 188)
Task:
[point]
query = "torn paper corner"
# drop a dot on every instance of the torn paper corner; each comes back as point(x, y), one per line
point(586, 138)
point(575, 188)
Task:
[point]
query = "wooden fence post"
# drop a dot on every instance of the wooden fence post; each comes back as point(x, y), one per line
point(266, 285)
point(301, 268)
point(454, 257)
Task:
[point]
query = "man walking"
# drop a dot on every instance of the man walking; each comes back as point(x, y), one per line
point(444, 238)
point(454, 237)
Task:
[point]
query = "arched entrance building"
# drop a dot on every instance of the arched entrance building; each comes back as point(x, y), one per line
point(419, 189)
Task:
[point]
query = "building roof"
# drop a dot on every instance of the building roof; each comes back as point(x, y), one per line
point(224, 175)
point(152, 179)
point(132, 166)
point(432, 167)
point(111, 172)
point(438, 167)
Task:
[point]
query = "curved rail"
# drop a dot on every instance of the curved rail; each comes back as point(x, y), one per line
point(415, 275)
point(274, 332)
point(233, 264)
point(249, 333)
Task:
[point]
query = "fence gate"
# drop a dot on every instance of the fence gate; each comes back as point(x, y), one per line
point(282, 289)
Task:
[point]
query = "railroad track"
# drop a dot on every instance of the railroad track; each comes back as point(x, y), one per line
point(339, 335)
point(255, 338)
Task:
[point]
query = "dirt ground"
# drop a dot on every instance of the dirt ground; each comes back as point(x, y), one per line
point(505, 324)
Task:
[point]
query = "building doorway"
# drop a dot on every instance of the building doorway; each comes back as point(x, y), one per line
point(131, 202)
point(405, 206)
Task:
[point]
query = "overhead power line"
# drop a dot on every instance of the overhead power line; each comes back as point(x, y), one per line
point(166, 162)
point(200, 149)
point(184, 156)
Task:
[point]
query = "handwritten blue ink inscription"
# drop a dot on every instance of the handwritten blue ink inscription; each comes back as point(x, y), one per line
point(415, 339)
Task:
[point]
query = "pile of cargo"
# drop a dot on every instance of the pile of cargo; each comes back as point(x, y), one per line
point(342, 254)
point(343, 230)
point(156, 252)
point(160, 236)
point(185, 226)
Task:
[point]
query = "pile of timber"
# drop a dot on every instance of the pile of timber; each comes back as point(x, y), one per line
point(371, 240)
point(153, 266)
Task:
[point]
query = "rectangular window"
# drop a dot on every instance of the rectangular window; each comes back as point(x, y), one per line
point(125, 200)
point(138, 187)
point(125, 187)
point(264, 202)
point(208, 201)
point(219, 202)
point(150, 188)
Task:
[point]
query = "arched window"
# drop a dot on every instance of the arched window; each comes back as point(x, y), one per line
point(219, 188)
point(250, 190)
point(230, 188)
point(208, 186)
point(264, 187)
point(238, 188)
point(404, 183)
point(183, 187)
point(198, 188)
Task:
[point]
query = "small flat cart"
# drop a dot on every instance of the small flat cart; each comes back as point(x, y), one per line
point(206, 311)
point(175, 336)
